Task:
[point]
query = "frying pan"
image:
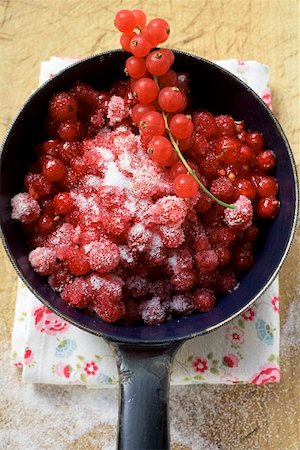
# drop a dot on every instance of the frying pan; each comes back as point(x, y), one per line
point(144, 353)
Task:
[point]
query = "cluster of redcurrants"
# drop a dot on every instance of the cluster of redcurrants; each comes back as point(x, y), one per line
point(165, 130)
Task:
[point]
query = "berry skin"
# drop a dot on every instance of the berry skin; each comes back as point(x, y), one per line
point(125, 40)
point(266, 186)
point(185, 186)
point(69, 130)
point(63, 203)
point(53, 169)
point(103, 255)
point(145, 90)
point(24, 208)
point(228, 149)
point(222, 189)
point(206, 260)
point(242, 186)
point(255, 141)
point(139, 110)
point(75, 293)
point(152, 124)
point(77, 262)
point(243, 256)
point(157, 63)
point(239, 218)
point(140, 18)
point(226, 125)
point(37, 185)
point(267, 208)
point(203, 300)
point(205, 123)
point(135, 67)
point(181, 126)
point(63, 106)
point(266, 160)
point(171, 99)
point(157, 31)
point(43, 260)
point(139, 46)
point(160, 150)
point(170, 78)
point(125, 20)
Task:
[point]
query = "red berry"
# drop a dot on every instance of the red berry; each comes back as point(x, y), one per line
point(243, 256)
point(266, 160)
point(77, 262)
point(226, 125)
point(139, 110)
point(226, 282)
point(157, 63)
point(53, 169)
point(185, 186)
point(125, 40)
point(140, 18)
point(63, 106)
point(135, 67)
point(266, 186)
point(37, 185)
point(75, 293)
point(205, 123)
point(170, 55)
point(152, 123)
point(63, 203)
point(181, 126)
point(69, 130)
point(255, 140)
point(228, 149)
point(239, 218)
point(44, 224)
point(170, 78)
point(178, 169)
point(145, 90)
point(203, 300)
point(103, 255)
point(51, 147)
point(245, 187)
point(125, 20)
point(160, 150)
point(25, 208)
point(206, 260)
point(140, 46)
point(246, 155)
point(171, 99)
point(157, 31)
point(267, 208)
point(222, 189)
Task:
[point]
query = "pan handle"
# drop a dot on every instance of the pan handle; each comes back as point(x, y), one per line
point(144, 396)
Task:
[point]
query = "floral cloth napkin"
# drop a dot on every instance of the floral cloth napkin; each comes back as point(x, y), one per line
point(50, 350)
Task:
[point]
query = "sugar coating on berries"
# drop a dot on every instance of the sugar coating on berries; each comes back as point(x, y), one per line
point(25, 208)
point(114, 207)
point(43, 260)
point(239, 218)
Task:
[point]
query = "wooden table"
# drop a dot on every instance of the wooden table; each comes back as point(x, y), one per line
point(264, 30)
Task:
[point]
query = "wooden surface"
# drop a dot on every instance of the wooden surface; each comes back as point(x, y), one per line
point(265, 30)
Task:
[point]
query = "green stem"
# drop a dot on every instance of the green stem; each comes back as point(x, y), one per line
point(190, 170)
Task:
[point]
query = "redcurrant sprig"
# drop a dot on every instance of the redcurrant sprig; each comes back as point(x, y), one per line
point(158, 95)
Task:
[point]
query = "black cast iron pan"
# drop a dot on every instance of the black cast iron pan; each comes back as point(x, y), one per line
point(144, 353)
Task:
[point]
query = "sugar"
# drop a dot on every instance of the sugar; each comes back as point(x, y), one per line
point(113, 177)
point(106, 154)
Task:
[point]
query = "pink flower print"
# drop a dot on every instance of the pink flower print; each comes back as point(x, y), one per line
point(269, 373)
point(63, 370)
point(47, 322)
point(228, 377)
point(266, 96)
point(19, 365)
point(91, 368)
point(275, 303)
point(235, 334)
point(28, 356)
point(249, 314)
point(231, 360)
point(200, 365)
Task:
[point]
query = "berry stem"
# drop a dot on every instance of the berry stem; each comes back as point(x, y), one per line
point(189, 169)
